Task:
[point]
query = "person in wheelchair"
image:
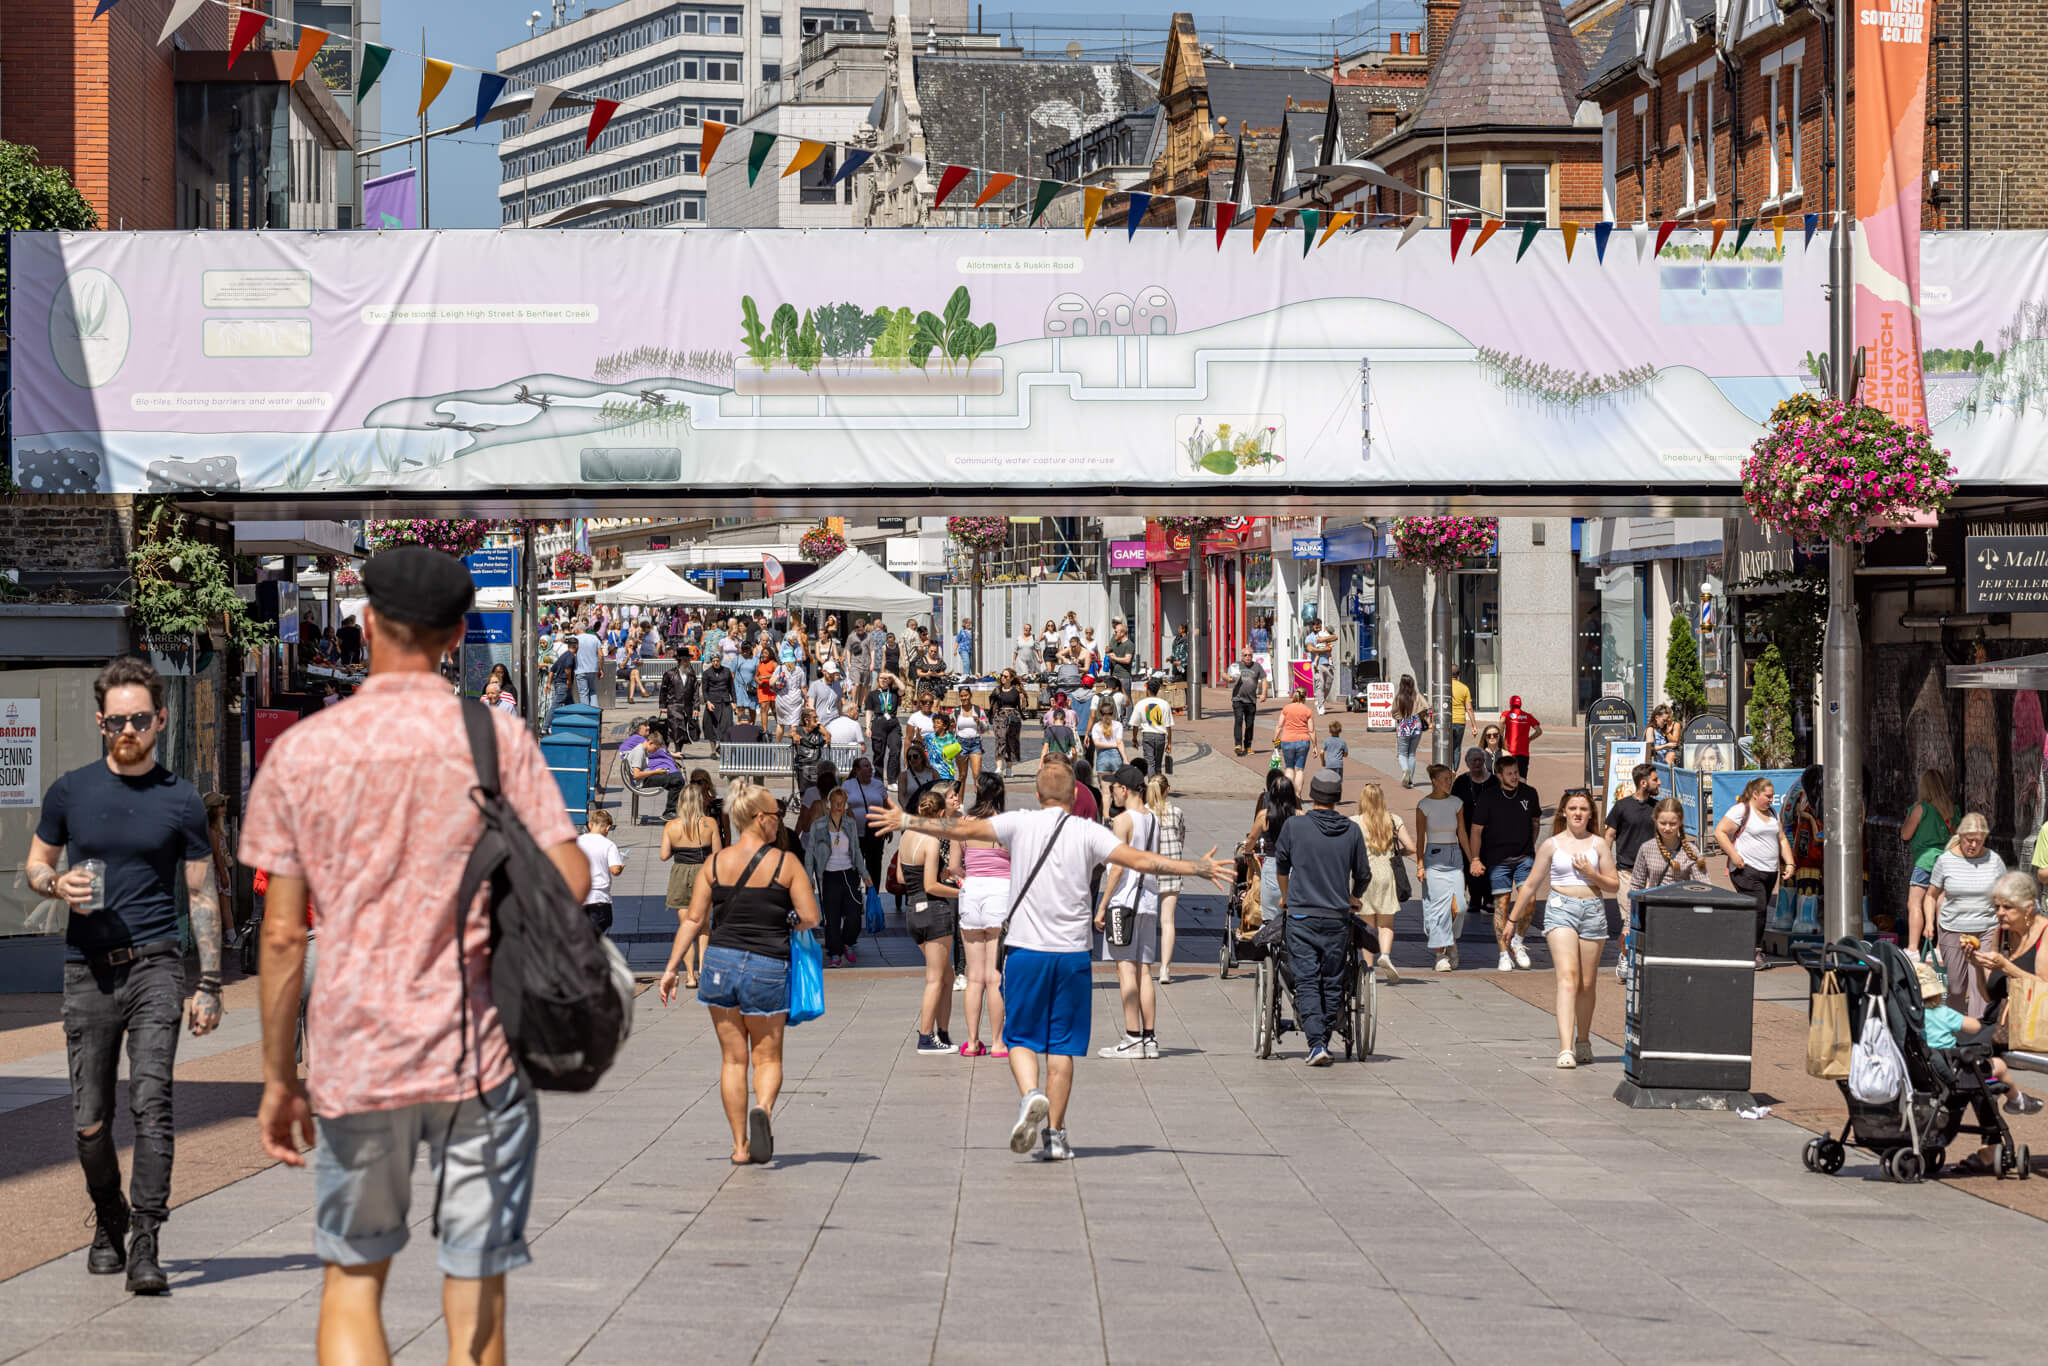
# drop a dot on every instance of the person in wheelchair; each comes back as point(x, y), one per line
point(1324, 869)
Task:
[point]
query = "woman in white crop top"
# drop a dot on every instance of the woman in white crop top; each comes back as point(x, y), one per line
point(1575, 872)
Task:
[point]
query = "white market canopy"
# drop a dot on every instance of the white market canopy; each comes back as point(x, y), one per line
point(854, 583)
point(654, 585)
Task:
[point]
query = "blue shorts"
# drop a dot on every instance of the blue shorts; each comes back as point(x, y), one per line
point(969, 744)
point(1922, 877)
point(1047, 999)
point(751, 983)
point(1585, 916)
point(1506, 877)
point(1294, 754)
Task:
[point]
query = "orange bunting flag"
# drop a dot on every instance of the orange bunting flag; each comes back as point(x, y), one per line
point(311, 40)
point(1486, 230)
point(1571, 235)
point(807, 151)
point(1664, 231)
point(1337, 220)
point(1778, 232)
point(1720, 226)
point(1091, 205)
point(247, 25)
point(601, 112)
point(1262, 218)
point(433, 76)
point(997, 183)
point(949, 181)
point(714, 133)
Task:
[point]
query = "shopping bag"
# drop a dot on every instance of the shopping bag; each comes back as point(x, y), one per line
point(872, 922)
point(1827, 1032)
point(1876, 1068)
point(806, 978)
point(2026, 1014)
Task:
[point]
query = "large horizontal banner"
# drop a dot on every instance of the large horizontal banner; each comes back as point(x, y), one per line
point(310, 363)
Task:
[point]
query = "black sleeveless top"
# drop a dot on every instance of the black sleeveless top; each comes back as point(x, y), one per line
point(751, 919)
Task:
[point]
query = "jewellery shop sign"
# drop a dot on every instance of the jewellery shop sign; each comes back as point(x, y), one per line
point(2005, 574)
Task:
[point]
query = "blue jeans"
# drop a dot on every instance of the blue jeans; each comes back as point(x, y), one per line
point(1404, 747)
point(1319, 952)
point(586, 689)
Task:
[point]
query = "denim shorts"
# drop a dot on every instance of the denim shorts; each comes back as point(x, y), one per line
point(751, 983)
point(362, 1173)
point(1505, 877)
point(1922, 877)
point(969, 744)
point(1294, 754)
point(1585, 916)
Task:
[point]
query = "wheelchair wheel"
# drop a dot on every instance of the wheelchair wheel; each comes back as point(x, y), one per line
point(1365, 1011)
point(1266, 1009)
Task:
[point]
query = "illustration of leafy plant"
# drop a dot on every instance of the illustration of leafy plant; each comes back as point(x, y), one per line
point(87, 310)
point(298, 466)
point(930, 335)
point(1197, 445)
point(893, 341)
point(782, 330)
point(872, 327)
point(976, 342)
point(391, 453)
point(808, 348)
point(756, 341)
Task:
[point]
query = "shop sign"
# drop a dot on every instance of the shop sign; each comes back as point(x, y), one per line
point(889, 523)
point(265, 725)
point(487, 628)
point(1308, 547)
point(1760, 551)
point(1609, 719)
point(21, 751)
point(1127, 554)
point(1707, 745)
point(1379, 706)
point(2005, 573)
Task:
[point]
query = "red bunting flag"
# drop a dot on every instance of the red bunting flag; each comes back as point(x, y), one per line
point(311, 40)
point(1486, 230)
point(949, 181)
point(247, 25)
point(1664, 231)
point(601, 112)
point(1226, 214)
point(1459, 227)
point(997, 183)
point(714, 133)
point(1262, 218)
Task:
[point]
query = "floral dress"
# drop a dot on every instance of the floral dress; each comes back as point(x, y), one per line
point(789, 694)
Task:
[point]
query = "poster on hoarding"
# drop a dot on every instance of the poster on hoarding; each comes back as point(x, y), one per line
point(21, 751)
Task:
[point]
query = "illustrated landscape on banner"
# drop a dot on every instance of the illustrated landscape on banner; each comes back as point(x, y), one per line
point(320, 363)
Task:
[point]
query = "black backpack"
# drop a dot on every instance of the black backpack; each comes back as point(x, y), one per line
point(564, 995)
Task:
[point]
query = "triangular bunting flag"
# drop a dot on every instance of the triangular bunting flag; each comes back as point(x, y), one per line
point(855, 159)
point(489, 85)
point(714, 133)
point(374, 57)
point(1414, 226)
point(1183, 214)
point(1486, 230)
point(1601, 232)
point(1571, 235)
point(808, 150)
point(1664, 231)
point(1311, 219)
point(1136, 206)
point(1720, 227)
point(1091, 205)
point(1337, 220)
point(311, 40)
point(180, 12)
point(1641, 232)
point(949, 181)
point(907, 170)
point(1459, 227)
point(1812, 222)
point(1778, 231)
point(544, 97)
point(104, 6)
point(998, 181)
point(433, 79)
point(248, 24)
point(757, 155)
point(1742, 231)
point(1262, 218)
point(601, 112)
point(1047, 191)
point(1226, 214)
point(1529, 231)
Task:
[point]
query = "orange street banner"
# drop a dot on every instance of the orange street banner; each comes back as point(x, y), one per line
point(1891, 124)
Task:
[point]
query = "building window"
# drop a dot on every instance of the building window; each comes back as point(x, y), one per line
point(1642, 113)
point(1525, 194)
point(1608, 129)
point(771, 25)
point(1782, 68)
point(693, 210)
point(693, 23)
point(771, 72)
point(1463, 191)
point(1697, 85)
point(815, 184)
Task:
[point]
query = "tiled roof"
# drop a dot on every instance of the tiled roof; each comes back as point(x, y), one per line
point(1356, 105)
point(1258, 95)
point(1007, 113)
point(1512, 63)
point(1594, 33)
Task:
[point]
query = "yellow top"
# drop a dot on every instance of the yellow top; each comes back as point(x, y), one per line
point(1461, 702)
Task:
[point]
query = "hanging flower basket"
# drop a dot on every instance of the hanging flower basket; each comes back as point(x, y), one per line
point(1837, 471)
point(819, 545)
point(1194, 528)
point(1444, 542)
point(457, 537)
point(978, 535)
point(569, 563)
point(346, 578)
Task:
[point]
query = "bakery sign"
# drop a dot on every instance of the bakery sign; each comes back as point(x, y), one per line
point(2005, 573)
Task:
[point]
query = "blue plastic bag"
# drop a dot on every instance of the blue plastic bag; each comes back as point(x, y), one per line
point(873, 922)
point(806, 978)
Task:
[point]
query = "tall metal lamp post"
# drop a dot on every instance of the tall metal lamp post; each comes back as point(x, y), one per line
point(1842, 646)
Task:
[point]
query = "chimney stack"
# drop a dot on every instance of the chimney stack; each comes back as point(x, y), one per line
point(1415, 42)
point(1442, 14)
point(1394, 44)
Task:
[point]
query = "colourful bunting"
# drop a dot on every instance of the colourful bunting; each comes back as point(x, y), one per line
point(757, 155)
point(104, 6)
point(489, 85)
point(1571, 235)
point(1601, 232)
point(1414, 226)
point(856, 157)
point(1137, 204)
point(542, 100)
point(375, 55)
point(908, 169)
point(180, 12)
point(1226, 214)
point(997, 183)
point(1720, 227)
point(1778, 232)
point(1043, 196)
point(1529, 231)
point(1183, 214)
point(1337, 220)
point(1459, 227)
point(1262, 218)
point(433, 79)
point(714, 133)
point(1664, 231)
point(248, 24)
point(311, 40)
point(949, 181)
point(1812, 222)
point(1641, 232)
point(1091, 205)
point(808, 150)
point(1486, 230)
point(1742, 231)
point(1311, 219)
point(601, 112)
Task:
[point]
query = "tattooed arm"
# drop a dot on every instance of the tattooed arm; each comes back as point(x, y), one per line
point(206, 930)
point(884, 819)
point(1139, 860)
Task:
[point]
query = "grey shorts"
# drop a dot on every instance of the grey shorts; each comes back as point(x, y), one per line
point(1585, 916)
point(363, 1181)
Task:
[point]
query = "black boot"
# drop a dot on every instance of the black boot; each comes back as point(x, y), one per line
point(110, 1235)
point(145, 1277)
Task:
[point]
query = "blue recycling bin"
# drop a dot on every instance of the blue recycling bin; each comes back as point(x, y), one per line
point(570, 758)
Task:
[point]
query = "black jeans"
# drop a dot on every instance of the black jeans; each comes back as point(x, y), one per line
point(1244, 715)
point(674, 783)
point(140, 1002)
point(600, 913)
point(871, 847)
point(886, 750)
point(841, 907)
point(1320, 952)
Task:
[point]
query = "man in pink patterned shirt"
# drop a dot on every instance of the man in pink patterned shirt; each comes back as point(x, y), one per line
point(366, 807)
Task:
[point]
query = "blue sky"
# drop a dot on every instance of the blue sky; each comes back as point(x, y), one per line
point(464, 166)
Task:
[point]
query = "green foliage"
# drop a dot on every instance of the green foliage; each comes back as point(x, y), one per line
point(931, 333)
point(893, 337)
point(182, 586)
point(1817, 366)
point(1951, 360)
point(979, 341)
point(782, 333)
point(892, 341)
point(806, 350)
point(37, 198)
point(750, 329)
point(1684, 684)
point(1770, 712)
point(1793, 620)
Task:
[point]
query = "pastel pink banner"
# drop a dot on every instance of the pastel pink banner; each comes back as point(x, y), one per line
point(1891, 123)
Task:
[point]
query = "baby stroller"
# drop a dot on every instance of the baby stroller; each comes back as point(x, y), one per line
point(1911, 1134)
point(1240, 914)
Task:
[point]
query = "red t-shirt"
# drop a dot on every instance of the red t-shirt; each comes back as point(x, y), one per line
point(1515, 725)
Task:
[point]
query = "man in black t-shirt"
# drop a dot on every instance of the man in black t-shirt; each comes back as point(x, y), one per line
point(1630, 821)
point(350, 638)
point(1465, 787)
point(1503, 823)
point(124, 976)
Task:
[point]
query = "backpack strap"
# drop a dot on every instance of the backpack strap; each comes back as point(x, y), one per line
point(1003, 934)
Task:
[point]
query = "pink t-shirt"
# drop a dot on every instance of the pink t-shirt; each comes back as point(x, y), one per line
point(368, 801)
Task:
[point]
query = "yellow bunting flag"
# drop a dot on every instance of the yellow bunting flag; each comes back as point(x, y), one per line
point(433, 76)
point(1091, 204)
point(1486, 230)
point(1778, 232)
point(311, 40)
point(807, 151)
point(1720, 226)
point(714, 133)
point(1337, 220)
point(1571, 235)
point(1262, 218)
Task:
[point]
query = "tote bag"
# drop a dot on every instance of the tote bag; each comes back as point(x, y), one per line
point(1827, 1032)
point(1876, 1069)
point(2026, 1009)
point(806, 978)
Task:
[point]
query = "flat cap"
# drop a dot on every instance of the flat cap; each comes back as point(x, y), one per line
point(419, 587)
point(1326, 787)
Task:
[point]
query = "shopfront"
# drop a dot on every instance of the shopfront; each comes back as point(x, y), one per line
point(1353, 557)
point(1637, 574)
point(1235, 571)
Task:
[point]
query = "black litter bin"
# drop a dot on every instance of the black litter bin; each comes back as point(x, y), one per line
point(1691, 987)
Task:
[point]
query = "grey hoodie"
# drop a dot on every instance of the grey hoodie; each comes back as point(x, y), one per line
point(1322, 855)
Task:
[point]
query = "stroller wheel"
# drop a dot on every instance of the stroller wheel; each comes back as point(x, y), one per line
point(1937, 1158)
point(1810, 1154)
point(2026, 1162)
point(1904, 1165)
point(1831, 1156)
point(1225, 959)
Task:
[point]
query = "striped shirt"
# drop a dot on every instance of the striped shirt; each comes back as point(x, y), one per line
point(1966, 891)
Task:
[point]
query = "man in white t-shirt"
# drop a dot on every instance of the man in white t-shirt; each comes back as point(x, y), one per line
point(1154, 719)
point(845, 728)
point(1047, 992)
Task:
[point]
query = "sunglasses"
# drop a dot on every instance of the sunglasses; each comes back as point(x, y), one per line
point(1585, 792)
point(141, 720)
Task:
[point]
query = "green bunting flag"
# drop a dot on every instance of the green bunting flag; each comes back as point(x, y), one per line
point(1529, 231)
point(1310, 221)
point(1743, 229)
point(1048, 190)
point(758, 153)
point(374, 58)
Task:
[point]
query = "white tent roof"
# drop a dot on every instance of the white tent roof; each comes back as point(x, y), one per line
point(654, 585)
point(854, 583)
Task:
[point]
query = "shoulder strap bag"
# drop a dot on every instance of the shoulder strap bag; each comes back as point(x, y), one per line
point(1122, 923)
point(1003, 937)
